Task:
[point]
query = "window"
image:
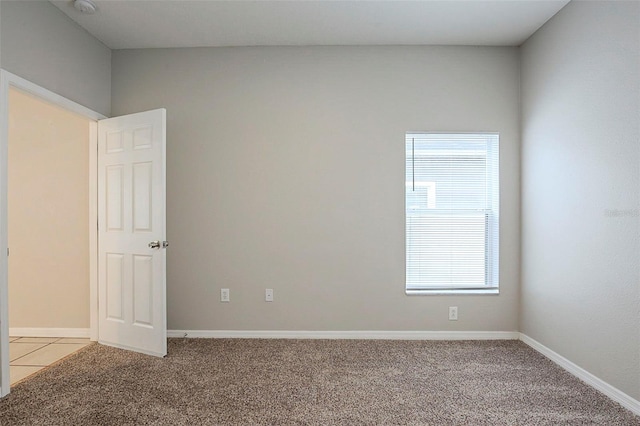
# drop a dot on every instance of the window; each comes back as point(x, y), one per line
point(452, 212)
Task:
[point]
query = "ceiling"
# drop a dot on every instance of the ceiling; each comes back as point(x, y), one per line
point(161, 23)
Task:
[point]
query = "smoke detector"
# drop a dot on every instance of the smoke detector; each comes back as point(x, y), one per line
point(85, 6)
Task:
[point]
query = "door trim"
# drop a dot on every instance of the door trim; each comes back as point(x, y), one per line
point(8, 80)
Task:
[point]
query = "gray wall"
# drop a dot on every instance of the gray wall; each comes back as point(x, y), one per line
point(42, 45)
point(286, 171)
point(580, 187)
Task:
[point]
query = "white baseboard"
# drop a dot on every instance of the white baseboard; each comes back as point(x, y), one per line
point(48, 332)
point(359, 334)
point(582, 374)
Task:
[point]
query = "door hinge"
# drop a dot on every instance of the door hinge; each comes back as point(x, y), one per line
point(7, 251)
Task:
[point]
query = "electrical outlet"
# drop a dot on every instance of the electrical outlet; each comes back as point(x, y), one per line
point(268, 295)
point(453, 313)
point(224, 295)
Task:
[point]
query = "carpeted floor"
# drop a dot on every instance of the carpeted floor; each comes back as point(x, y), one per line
point(310, 382)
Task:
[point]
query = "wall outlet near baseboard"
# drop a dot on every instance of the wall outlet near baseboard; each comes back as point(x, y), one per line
point(268, 295)
point(225, 295)
point(453, 313)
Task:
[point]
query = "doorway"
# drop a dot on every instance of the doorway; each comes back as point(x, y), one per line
point(48, 231)
point(128, 288)
point(7, 82)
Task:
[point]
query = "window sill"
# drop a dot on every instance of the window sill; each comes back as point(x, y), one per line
point(453, 291)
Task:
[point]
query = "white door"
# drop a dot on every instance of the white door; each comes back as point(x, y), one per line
point(131, 232)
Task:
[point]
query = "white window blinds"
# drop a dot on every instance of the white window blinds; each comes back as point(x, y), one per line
point(452, 211)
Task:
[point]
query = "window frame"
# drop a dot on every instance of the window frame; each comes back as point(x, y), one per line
point(492, 252)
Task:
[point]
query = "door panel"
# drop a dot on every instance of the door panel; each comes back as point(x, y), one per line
point(131, 209)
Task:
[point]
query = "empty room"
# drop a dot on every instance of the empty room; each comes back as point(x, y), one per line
point(331, 212)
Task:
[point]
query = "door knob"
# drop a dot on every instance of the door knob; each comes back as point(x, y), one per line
point(154, 244)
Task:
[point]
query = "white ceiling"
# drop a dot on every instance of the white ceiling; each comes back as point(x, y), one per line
point(160, 23)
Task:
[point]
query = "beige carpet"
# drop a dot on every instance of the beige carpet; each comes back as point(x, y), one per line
point(310, 382)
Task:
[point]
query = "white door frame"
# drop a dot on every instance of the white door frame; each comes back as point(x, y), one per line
point(8, 80)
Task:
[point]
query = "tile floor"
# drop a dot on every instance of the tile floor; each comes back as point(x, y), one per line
point(27, 355)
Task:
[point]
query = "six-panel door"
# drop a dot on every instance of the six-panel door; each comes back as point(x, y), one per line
point(131, 223)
